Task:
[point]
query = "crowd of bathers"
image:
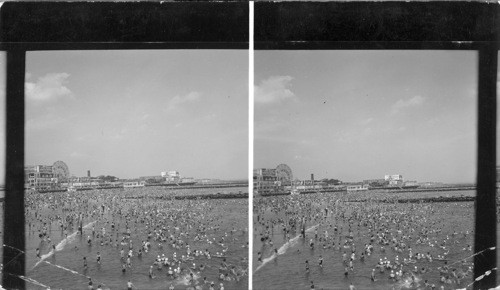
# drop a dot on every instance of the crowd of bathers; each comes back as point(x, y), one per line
point(359, 236)
point(186, 243)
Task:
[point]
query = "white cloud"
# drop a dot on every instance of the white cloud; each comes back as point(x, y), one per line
point(48, 87)
point(274, 90)
point(179, 100)
point(403, 104)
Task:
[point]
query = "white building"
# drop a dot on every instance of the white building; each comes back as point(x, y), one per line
point(357, 187)
point(394, 177)
point(39, 177)
point(172, 174)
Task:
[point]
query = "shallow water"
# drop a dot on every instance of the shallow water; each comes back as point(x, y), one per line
point(287, 269)
point(63, 268)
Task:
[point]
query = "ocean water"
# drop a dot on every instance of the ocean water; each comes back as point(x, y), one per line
point(217, 226)
point(447, 226)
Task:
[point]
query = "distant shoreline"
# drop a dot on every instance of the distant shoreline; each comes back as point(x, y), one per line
point(167, 189)
point(391, 196)
point(376, 190)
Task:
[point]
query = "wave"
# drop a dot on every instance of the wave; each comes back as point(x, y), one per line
point(33, 281)
point(66, 269)
point(409, 283)
point(61, 245)
point(186, 279)
point(283, 249)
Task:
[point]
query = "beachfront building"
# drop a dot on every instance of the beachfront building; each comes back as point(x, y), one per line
point(188, 179)
point(265, 181)
point(174, 177)
point(171, 176)
point(134, 184)
point(45, 176)
point(394, 180)
point(357, 187)
point(393, 177)
point(153, 179)
point(411, 183)
point(85, 182)
point(272, 180)
point(308, 185)
point(39, 177)
point(376, 182)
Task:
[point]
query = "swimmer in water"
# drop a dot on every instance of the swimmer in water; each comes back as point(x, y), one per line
point(130, 285)
point(373, 276)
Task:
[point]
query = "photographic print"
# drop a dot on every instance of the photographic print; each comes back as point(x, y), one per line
point(365, 167)
point(136, 169)
point(127, 145)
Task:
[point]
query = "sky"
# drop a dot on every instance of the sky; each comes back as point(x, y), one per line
point(351, 115)
point(138, 113)
point(356, 115)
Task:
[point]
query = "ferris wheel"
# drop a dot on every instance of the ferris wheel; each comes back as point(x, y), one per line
point(60, 170)
point(284, 173)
